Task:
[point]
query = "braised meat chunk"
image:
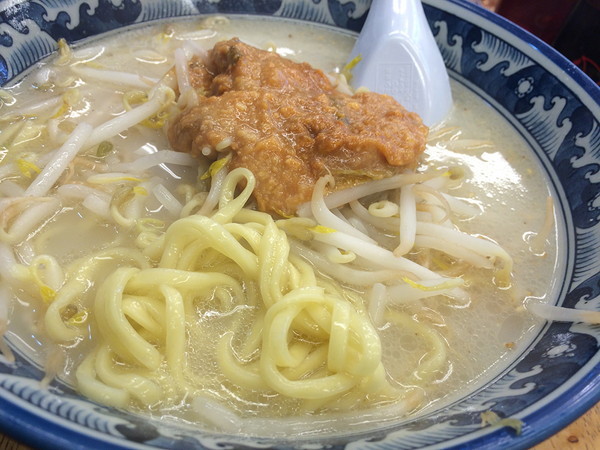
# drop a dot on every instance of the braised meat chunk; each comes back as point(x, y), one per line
point(288, 124)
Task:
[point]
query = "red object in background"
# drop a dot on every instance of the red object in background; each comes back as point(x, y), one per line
point(544, 18)
point(579, 39)
point(570, 26)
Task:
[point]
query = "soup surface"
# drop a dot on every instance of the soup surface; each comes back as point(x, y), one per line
point(145, 279)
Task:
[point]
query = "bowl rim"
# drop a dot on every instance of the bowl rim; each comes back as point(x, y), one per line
point(537, 49)
point(572, 402)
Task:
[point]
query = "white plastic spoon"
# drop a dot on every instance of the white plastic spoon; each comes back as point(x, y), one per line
point(400, 58)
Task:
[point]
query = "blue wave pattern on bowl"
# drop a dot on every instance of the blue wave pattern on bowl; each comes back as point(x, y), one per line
point(542, 105)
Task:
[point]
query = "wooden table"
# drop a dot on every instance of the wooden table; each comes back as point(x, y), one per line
point(583, 434)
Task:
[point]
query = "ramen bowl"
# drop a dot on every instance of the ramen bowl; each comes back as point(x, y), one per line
point(547, 101)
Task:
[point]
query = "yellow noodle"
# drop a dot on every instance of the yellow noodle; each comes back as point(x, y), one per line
point(435, 358)
point(247, 376)
point(116, 330)
point(91, 387)
point(78, 277)
point(146, 312)
point(306, 338)
point(138, 386)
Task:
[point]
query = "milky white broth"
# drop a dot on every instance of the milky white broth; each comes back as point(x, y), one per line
point(503, 178)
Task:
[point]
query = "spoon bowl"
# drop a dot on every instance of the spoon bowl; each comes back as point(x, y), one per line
point(399, 57)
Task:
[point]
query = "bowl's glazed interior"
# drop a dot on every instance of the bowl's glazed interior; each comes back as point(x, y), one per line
point(546, 99)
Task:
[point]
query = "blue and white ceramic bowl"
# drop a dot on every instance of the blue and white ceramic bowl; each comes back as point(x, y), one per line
point(546, 99)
